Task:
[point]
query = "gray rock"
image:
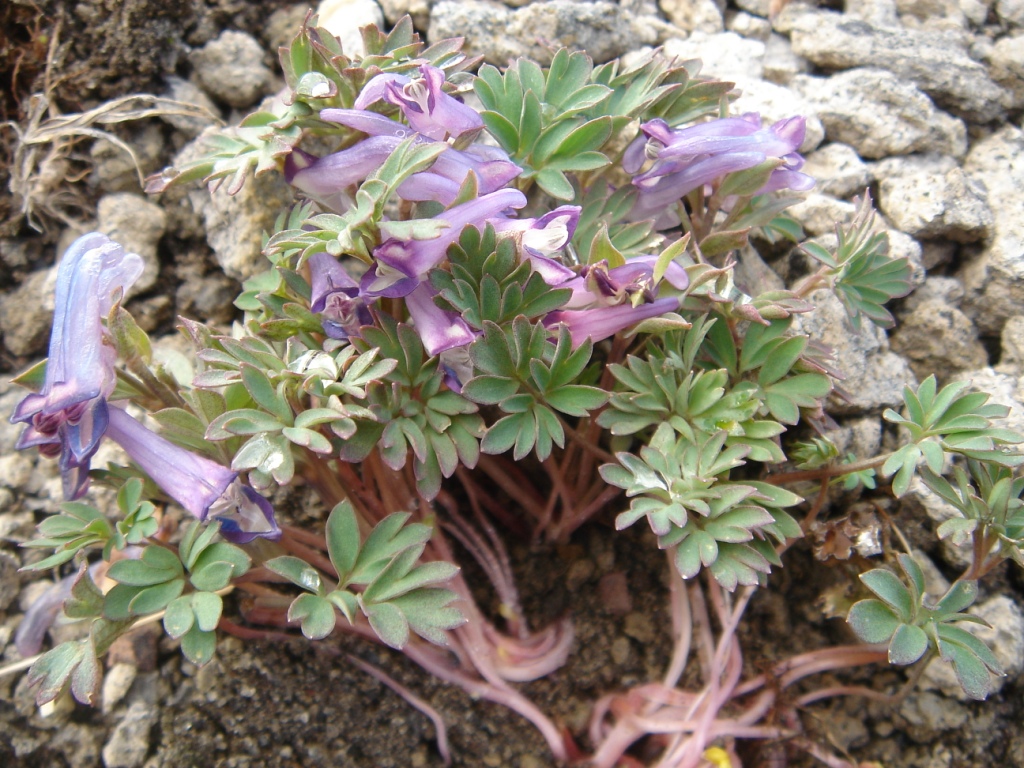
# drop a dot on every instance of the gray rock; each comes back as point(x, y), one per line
point(882, 13)
point(756, 7)
point(1006, 59)
point(781, 64)
point(694, 15)
point(938, 338)
point(929, 196)
point(931, 14)
point(975, 11)
point(129, 743)
point(26, 314)
point(775, 102)
point(1005, 637)
point(10, 581)
point(343, 18)
point(603, 29)
point(231, 69)
point(1002, 389)
point(1011, 345)
point(903, 246)
point(994, 279)
point(948, 290)
point(188, 93)
point(838, 170)
point(937, 63)
point(137, 224)
point(879, 114)
point(746, 25)
point(724, 55)
point(929, 712)
point(875, 377)
point(115, 170)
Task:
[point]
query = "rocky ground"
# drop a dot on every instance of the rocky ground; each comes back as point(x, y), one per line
point(919, 101)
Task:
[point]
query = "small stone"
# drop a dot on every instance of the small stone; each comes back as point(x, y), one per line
point(613, 590)
point(694, 15)
point(752, 27)
point(116, 682)
point(115, 170)
point(929, 196)
point(10, 581)
point(129, 743)
point(780, 63)
point(882, 13)
point(419, 10)
point(231, 69)
point(26, 314)
point(580, 572)
point(188, 93)
point(933, 713)
point(137, 224)
point(724, 56)
point(621, 650)
point(16, 470)
point(937, 337)
point(838, 170)
point(640, 627)
point(880, 114)
point(1012, 346)
point(1011, 11)
point(931, 14)
point(819, 213)
point(1006, 59)
point(344, 18)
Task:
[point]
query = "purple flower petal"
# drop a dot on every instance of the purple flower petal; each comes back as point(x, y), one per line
point(438, 329)
point(603, 322)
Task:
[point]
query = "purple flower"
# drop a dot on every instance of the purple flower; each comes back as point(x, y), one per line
point(335, 296)
point(403, 264)
point(539, 239)
point(686, 159)
point(632, 282)
point(202, 487)
point(426, 106)
point(439, 329)
point(602, 322)
point(68, 416)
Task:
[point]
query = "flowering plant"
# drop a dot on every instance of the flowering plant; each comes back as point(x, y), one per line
point(488, 321)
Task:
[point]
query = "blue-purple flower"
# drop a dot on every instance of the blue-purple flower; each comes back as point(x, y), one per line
point(685, 159)
point(602, 322)
point(335, 297)
point(424, 103)
point(68, 416)
point(202, 487)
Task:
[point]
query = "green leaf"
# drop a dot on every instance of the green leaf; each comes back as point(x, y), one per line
point(207, 607)
point(908, 644)
point(342, 540)
point(891, 591)
point(873, 621)
point(178, 617)
point(316, 615)
point(199, 646)
point(297, 571)
point(389, 623)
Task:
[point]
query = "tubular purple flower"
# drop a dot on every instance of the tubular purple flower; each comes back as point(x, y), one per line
point(68, 416)
point(202, 487)
point(439, 330)
point(424, 103)
point(335, 297)
point(412, 259)
point(602, 322)
point(539, 239)
point(632, 282)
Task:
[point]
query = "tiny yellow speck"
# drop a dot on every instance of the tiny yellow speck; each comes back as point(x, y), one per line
point(718, 757)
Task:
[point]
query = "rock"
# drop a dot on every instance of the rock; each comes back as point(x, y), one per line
point(819, 213)
point(882, 13)
point(129, 743)
point(880, 115)
point(1006, 59)
point(920, 497)
point(994, 279)
point(937, 63)
point(948, 290)
point(753, 27)
point(137, 224)
point(419, 10)
point(235, 223)
point(10, 581)
point(903, 246)
point(936, 337)
point(725, 56)
point(344, 18)
point(874, 376)
point(781, 64)
point(929, 712)
point(1002, 389)
point(116, 682)
point(603, 29)
point(189, 93)
point(282, 25)
point(931, 14)
point(975, 11)
point(756, 7)
point(860, 436)
point(929, 196)
point(1011, 358)
point(694, 15)
point(775, 102)
point(115, 170)
point(16, 468)
point(1011, 11)
point(838, 170)
point(231, 69)
point(1005, 637)
point(26, 314)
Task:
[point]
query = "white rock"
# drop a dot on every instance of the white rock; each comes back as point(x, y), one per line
point(929, 196)
point(1006, 58)
point(26, 314)
point(188, 93)
point(1011, 11)
point(753, 27)
point(116, 682)
point(838, 170)
point(725, 55)
point(883, 13)
point(931, 14)
point(994, 279)
point(781, 64)
point(819, 213)
point(129, 742)
point(419, 10)
point(975, 11)
point(344, 18)
point(879, 114)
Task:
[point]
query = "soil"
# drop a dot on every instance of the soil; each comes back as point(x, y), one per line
point(290, 702)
